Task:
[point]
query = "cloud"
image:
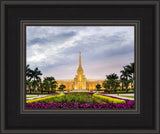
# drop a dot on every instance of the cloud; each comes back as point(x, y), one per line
point(54, 49)
point(55, 39)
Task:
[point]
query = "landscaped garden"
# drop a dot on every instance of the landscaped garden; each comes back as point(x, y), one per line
point(48, 94)
point(79, 101)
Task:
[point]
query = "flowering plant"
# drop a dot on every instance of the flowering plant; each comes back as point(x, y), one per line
point(70, 106)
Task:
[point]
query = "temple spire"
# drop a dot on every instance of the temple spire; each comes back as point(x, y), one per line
point(80, 69)
point(80, 59)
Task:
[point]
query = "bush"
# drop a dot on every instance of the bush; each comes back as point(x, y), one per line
point(59, 90)
point(44, 99)
point(131, 91)
point(100, 89)
point(121, 91)
point(52, 91)
point(109, 99)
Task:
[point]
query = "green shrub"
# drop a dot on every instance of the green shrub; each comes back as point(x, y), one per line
point(44, 99)
point(100, 89)
point(108, 99)
point(131, 91)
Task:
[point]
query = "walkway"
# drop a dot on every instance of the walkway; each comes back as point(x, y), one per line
point(30, 97)
point(116, 95)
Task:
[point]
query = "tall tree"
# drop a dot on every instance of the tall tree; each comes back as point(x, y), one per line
point(32, 78)
point(131, 71)
point(50, 83)
point(28, 85)
point(28, 78)
point(111, 82)
point(125, 76)
point(40, 85)
point(35, 74)
point(35, 77)
point(122, 80)
point(46, 84)
point(28, 72)
point(106, 86)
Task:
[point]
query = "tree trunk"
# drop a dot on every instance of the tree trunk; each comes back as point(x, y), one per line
point(109, 90)
point(126, 90)
point(122, 86)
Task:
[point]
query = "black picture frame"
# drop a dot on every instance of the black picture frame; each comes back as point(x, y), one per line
point(136, 34)
point(13, 121)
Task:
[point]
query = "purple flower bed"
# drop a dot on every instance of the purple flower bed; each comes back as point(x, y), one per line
point(128, 105)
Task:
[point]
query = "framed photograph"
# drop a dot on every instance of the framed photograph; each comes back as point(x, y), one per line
point(79, 67)
point(54, 89)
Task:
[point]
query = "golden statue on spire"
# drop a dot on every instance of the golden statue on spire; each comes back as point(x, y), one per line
point(79, 58)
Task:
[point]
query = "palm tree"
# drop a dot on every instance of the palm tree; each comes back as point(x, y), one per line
point(131, 71)
point(40, 85)
point(28, 85)
point(122, 80)
point(130, 68)
point(112, 81)
point(50, 83)
point(28, 72)
point(46, 84)
point(35, 77)
point(106, 85)
point(36, 74)
point(125, 77)
point(28, 78)
point(54, 83)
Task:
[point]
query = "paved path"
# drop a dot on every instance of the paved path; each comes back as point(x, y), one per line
point(115, 95)
point(35, 96)
point(131, 94)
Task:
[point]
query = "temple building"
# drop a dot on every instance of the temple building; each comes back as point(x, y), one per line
point(80, 82)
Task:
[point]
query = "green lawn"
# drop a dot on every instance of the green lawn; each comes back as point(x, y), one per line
point(126, 96)
point(31, 96)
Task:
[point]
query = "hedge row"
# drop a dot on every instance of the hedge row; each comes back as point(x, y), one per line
point(43, 99)
point(109, 99)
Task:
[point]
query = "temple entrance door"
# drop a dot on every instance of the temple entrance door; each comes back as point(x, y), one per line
point(80, 82)
point(80, 85)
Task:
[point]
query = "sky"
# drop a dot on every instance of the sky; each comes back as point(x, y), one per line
point(55, 50)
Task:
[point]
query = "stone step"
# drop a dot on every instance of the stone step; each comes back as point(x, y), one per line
point(81, 90)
